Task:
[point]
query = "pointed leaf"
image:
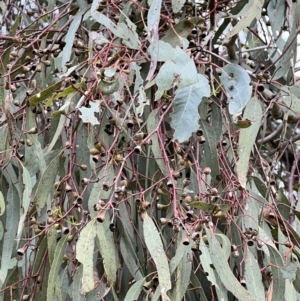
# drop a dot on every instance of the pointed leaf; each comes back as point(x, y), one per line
point(107, 250)
point(135, 291)
point(223, 270)
point(253, 276)
point(46, 182)
point(247, 138)
point(2, 204)
point(278, 280)
point(253, 11)
point(55, 266)
point(152, 123)
point(84, 254)
point(156, 250)
point(183, 274)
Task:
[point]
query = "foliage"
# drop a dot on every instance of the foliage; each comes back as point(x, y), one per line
point(149, 150)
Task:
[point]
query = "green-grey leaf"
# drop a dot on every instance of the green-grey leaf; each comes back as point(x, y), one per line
point(46, 182)
point(183, 274)
point(253, 276)
point(156, 250)
point(58, 256)
point(247, 138)
point(135, 291)
point(107, 250)
point(236, 82)
point(223, 270)
point(185, 105)
point(84, 254)
point(278, 280)
point(177, 5)
point(152, 123)
point(2, 204)
point(254, 9)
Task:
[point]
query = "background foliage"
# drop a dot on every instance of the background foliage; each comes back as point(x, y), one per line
point(149, 150)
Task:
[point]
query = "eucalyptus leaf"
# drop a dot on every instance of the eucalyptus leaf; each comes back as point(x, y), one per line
point(236, 82)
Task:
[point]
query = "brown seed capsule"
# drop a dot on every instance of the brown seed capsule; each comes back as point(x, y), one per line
point(94, 151)
point(83, 167)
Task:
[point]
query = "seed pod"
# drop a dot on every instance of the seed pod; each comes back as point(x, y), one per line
point(96, 158)
point(83, 167)
point(164, 221)
point(21, 251)
point(70, 238)
point(186, 240)
point(94, 151)
point(201, 139)
point(65, 230)
point(207, 170)
point(118, 158)
point(188, 199)
point(98, 146)
point(28, 142)
point(33, 130)
point(138, 149)
point(177, 174)
point(161, 206)
point(68, 188)
point(85, 181)
point(186, 182)
point(101, 216)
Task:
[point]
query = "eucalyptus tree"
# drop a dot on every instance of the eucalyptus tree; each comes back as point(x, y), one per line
point(149, 150)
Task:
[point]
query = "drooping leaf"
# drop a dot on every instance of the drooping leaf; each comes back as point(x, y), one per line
point(127, 33)
point(153, 36)
point(183, 274)
point(84, 254)
point(278, 280)
point(223, 270)
point(58, 256)
point(207, 263)
point(2, 204)
point(70, 36)
point(135, 291)
point(152, 123)
point(211, 131)
point(46, 182)
point(236, 82)
point(252, 273)
point(247, 138)
point(185, 105)
point(25, 200)
point(156, 250)
point(107, 250)
point(250, 12)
